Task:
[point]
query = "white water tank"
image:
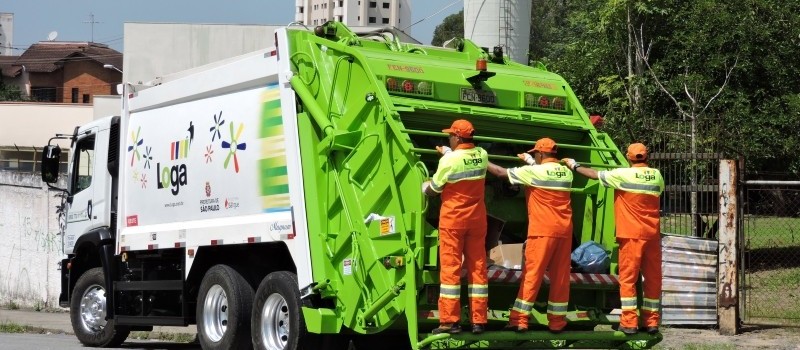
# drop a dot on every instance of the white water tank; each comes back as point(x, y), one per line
point(507, 23)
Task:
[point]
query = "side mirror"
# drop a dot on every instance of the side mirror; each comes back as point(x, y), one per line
point(51, 159)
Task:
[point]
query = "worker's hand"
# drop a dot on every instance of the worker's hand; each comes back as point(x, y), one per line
point(570, 163)
point(527, 158)
point(443, 149)
point(427, 190)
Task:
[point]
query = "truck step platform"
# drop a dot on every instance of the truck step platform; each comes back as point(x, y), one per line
point(540, 340)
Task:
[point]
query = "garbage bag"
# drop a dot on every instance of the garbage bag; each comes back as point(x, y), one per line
point(591, 257)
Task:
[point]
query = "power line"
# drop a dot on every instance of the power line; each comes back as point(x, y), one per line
point(436, 13)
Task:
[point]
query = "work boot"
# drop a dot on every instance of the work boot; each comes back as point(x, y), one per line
point(477, 328)
point(628, 330)
point(651, 330)
point(452, 328)
point(513, 328)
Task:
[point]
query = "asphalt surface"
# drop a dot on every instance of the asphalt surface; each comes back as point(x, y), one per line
point(68, 342)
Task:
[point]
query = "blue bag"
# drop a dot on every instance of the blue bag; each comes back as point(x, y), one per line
point(591, 257)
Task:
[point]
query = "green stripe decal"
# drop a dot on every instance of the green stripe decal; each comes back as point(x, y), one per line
point(272, 160)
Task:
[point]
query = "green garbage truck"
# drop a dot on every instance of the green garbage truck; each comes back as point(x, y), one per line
point(274, 199)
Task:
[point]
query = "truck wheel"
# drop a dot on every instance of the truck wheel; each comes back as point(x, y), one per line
point(223, 309)
point(278, 322)
point(88, 312)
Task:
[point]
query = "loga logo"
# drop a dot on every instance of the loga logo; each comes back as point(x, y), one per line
point(557, 173)
point(647, 176)
point(174, 177)
point(474, 161)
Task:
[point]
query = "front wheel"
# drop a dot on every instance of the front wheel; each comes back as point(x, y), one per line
point(88, 312)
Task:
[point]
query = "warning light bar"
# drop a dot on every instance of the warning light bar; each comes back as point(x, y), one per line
point(549, 103)
point(409, 86)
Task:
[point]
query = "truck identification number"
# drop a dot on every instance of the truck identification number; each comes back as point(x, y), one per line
point(478, 96)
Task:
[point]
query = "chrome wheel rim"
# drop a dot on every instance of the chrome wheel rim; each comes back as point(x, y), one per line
point(274, 325)
point(93, 309)
point(215, 313)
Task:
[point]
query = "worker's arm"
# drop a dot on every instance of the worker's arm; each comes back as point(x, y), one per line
point(585, 171)
point(439, 179)
point(497, 170)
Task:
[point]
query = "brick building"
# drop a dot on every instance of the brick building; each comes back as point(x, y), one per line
point(68, 72)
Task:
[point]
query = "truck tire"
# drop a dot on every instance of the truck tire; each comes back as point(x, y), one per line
point(278, 322)
point(88, 312)
point(223, 309)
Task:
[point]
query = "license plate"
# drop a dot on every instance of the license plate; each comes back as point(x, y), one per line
point(478, 96)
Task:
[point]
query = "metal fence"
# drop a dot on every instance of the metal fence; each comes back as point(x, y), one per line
point(771, 253)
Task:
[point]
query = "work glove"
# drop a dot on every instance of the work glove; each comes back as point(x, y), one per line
point(443, 149)
point(570, 163)
point(527, 158)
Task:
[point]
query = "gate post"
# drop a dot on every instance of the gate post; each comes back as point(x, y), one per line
point(727, 284)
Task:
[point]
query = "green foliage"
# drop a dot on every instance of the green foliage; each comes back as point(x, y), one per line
point(451, 27)
point(8, 327)
point(689, 48)
point(9, 92)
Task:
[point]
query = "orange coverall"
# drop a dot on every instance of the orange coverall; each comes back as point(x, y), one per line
point(636, 207)
point(549, 240)
point(460, 179)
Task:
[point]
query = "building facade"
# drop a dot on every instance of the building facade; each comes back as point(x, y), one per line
point(365, 13)
point(6, 34)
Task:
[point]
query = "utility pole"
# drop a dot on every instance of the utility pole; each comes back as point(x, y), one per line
point(91, 22)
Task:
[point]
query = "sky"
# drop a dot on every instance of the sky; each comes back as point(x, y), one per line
point(35, 19)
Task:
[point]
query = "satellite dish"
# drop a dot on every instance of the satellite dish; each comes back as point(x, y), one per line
point(52, 36)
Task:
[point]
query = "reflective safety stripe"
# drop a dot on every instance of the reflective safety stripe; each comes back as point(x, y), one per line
point(522, 306)
point(650, 304)
point(552, 184)
point(477, 173)
point(449, 291)
point(513, 178)
point(435, 188)
point(478, 290)
point(602, 176)
point(628, 303)
point(556, 308)
point(640, 187)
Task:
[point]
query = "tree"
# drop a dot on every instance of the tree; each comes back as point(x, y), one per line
point(9, 92)
point(451, 27)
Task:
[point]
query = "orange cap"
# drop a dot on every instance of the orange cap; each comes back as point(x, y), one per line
point(545, 144)
point(461, 128)
point(637, 151)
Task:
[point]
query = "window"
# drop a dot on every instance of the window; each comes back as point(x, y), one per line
point(300, 9)
point(82, 166)
point(373, 4)
point(339, 18)
point(341, 3)
point(325, 5)
point(74, 95)
point(43, 94)
point(385, 20)
point(386, 5)
point(358, 18)
point(86, 98)
point(316, 7)
point(372, 20)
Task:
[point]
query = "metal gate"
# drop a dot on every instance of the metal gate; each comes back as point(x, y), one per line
point(770, 288)
point(689, 222)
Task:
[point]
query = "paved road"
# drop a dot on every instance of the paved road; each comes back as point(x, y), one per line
point(68, 342)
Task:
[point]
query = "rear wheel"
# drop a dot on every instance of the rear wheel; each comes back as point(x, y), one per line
point(278, 322)
point(223, 310)
point(88, 312)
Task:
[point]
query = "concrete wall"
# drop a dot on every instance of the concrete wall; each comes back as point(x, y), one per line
point(30, 241)
point(158, 49)
point(32, 124)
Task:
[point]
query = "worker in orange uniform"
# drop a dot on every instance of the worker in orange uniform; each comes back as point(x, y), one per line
point(636, 207)
point(549, 240)
point(462, 227)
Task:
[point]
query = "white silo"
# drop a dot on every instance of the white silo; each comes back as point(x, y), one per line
point(507, 23)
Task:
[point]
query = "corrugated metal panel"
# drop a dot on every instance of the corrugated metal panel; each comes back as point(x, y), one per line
point(689, 293)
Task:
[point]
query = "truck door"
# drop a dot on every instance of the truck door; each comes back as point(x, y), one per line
point(80, 214)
